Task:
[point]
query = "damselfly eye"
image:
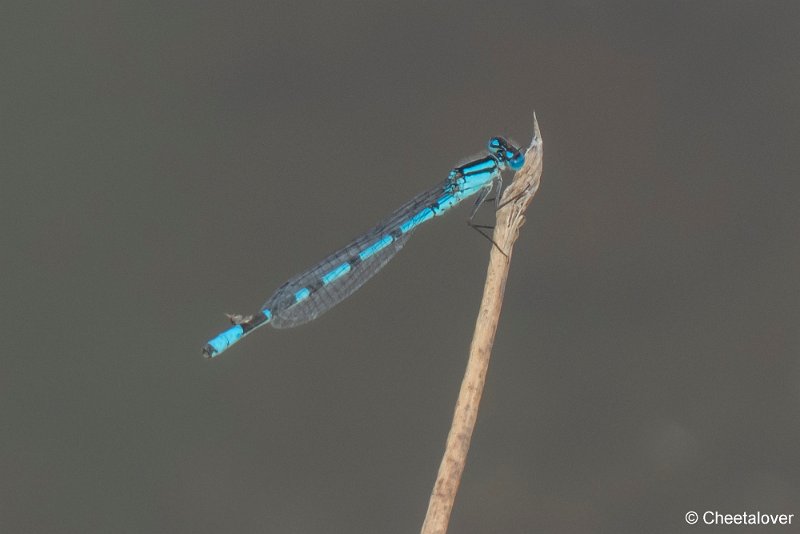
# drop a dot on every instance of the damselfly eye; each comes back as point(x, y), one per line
point(516, 161)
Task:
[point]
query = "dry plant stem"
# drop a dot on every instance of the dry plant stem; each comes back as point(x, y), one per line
point(509, 220)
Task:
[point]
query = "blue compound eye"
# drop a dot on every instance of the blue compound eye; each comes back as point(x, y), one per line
point(516, 162)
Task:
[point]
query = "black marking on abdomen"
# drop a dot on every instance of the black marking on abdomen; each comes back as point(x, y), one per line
point(253, 323)
point(315, 286)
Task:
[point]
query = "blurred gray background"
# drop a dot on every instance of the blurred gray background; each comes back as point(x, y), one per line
point(164, 163)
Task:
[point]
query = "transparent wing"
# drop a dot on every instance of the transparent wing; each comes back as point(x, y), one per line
point(287, 313)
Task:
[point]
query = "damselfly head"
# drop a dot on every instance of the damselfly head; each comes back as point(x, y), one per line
point(506, 153)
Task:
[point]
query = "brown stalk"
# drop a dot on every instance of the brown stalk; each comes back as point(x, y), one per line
point(510, 217)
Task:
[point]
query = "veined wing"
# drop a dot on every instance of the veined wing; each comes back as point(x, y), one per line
point(315, 291)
